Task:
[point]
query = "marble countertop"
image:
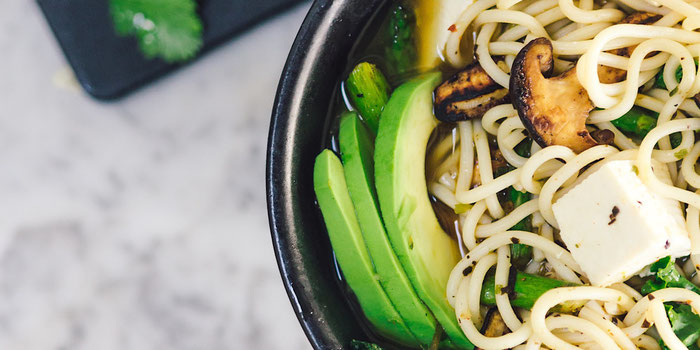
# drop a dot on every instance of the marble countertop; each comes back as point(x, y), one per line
point(141, 223)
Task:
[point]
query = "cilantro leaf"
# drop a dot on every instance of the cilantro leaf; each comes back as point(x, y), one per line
point(169, 29)
point(684, 322)
point(666, 276)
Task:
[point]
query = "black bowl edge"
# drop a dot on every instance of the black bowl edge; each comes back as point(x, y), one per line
point(317, 58)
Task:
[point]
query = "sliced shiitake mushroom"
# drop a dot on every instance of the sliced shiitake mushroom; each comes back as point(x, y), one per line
point(468, 95)
point(609, 75)
point(493, 326)
point(554, 110)
point(603, 137)
point(447, 218)
point(641, 18)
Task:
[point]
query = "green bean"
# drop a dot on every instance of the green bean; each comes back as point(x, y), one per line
point(369, 91)
point(526, 289)
point(637, 121)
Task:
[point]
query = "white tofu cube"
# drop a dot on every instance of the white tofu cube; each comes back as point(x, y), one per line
point(614, 225)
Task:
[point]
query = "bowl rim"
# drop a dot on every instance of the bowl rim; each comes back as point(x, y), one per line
point(330, 28)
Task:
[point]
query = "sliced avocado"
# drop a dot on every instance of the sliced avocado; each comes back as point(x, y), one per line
point(351, 252)
point(357, 152)
point(425, 251)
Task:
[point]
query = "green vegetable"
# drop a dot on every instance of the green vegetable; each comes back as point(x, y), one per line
point(675, 139)
point(351, 250)
point(684, 322)
point(659, 83)
point(519, 198)
point(414, 231)
point(637, 121)
point(169, 29)
point(401, 52)
point(357, 152)
point(520, 254)
point(666, 276)
point(369, 92)
point(363, 345)
point(527, 289)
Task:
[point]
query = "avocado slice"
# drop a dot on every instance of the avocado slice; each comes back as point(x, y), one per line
point(351, 252)
point(425, 251)
point(357, 152)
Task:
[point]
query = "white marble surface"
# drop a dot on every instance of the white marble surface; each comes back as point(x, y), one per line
point(138, 224)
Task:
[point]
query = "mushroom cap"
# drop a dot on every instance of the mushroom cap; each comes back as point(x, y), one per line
point(609, 75)
point(468, 95)
point(554, 110)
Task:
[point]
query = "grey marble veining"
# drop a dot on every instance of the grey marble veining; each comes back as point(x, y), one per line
point(138, 224)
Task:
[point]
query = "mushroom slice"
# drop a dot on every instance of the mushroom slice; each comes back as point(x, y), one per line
point(609, 75)
point(554, 110)
point(468, 95)
point(493, 326)
point(641, 18)
point(603, 137)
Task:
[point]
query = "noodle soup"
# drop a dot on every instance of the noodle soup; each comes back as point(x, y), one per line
point(520, 174)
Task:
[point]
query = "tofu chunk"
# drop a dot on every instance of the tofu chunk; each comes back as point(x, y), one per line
point(614, 225)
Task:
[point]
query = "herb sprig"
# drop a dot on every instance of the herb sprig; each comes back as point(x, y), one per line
point(169, 29)
point(684, 321)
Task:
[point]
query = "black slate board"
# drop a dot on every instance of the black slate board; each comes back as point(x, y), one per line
point(109, 66)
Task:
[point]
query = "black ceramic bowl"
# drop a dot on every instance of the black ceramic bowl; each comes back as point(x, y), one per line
point(298, 132)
